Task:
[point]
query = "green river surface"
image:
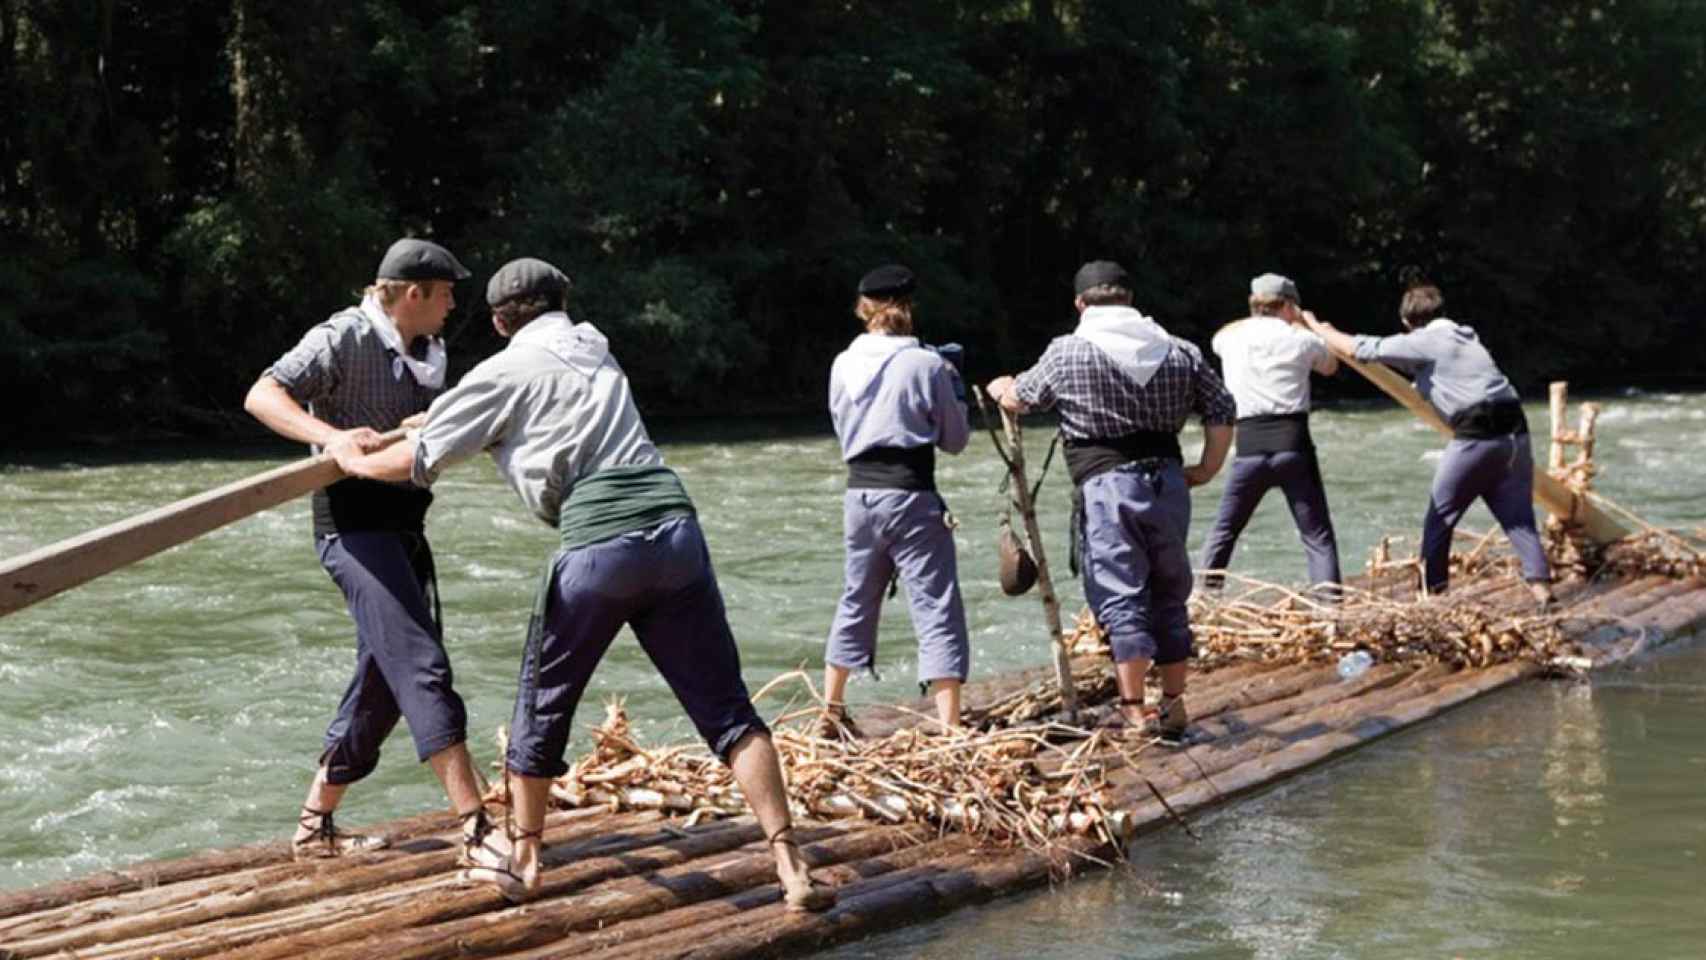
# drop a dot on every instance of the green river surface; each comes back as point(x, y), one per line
point(178, 704)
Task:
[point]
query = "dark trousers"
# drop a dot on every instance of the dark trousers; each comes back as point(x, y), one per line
point(1499, 471)
point(1298, 475)
point(401, 668)
point(659, 581)
point(1137, 573)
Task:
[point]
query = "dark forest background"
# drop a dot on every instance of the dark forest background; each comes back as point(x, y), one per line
point(186, 187)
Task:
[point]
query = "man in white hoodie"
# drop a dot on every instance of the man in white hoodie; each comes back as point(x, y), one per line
point(366, 369)
point(894, 402)
point(555, 412)
point(1124, 388)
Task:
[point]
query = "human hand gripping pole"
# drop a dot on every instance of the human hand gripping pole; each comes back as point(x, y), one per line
point(57, 567)
point(1012, 452)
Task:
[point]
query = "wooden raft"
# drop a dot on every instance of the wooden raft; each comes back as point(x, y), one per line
point(640, 884)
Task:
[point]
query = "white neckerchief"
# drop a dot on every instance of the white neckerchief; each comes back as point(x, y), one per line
point(580, 345)
point(866, 356)
point(1135, 342)
point(428, 373)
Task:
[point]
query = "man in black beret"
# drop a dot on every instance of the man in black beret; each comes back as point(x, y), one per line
point(1124, 388)
point(896, 402)
point(367, 369)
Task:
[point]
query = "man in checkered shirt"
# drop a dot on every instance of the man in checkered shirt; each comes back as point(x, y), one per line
point(1124, 388)
point(369, 368)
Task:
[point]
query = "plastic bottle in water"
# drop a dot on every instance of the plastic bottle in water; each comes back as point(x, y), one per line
point(1355, 664)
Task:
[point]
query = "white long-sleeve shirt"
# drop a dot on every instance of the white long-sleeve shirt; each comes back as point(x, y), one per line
point(1266, 362)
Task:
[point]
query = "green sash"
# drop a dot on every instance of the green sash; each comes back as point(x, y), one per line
point(605, 505)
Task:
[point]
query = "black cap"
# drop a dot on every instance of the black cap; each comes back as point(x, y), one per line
point(887, 282)
point(526, 277)
point(1100, 273)
point(414, 259)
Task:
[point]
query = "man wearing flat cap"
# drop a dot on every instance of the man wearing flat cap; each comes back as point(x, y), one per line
point(368, 369)
point(894, 402)
point(1124, 388)
point(1266, 359)
point(555, 412)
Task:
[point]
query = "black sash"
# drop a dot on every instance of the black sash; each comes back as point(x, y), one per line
point(1489, 420)
point(1088, 458)
point(354, 504)
point(893, 468)
point(1274, 433)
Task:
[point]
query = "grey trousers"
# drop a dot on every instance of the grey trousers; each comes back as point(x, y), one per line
point(1298, 475)
point(1499, 471)
point(1137, 573)
point(900, 530)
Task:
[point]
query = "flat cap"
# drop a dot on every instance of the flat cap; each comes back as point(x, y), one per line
point(888, 281)
point(1274, 285)
point(526, 277)
point(1100, 273)
point(414, 259)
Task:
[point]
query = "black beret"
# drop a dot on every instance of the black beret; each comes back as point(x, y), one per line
point(887, 282)
point(1100, 273)
point(413, 259)
point(526, 277)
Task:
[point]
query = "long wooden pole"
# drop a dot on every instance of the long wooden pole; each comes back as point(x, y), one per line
point(58, 567)
point(1558, 499)
point(1021, 491)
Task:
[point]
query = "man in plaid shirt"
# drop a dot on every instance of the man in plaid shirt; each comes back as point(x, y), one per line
point(1124, 388)
point(368, 368)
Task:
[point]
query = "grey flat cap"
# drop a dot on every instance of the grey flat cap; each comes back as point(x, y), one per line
point(527, 277)
point(1274, 285)
point(414, 259)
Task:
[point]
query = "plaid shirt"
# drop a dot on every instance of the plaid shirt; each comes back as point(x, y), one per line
point(1097, 400)
point(342, 372)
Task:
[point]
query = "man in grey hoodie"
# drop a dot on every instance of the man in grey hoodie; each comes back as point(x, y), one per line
point(555, 412)
point(1489, 455)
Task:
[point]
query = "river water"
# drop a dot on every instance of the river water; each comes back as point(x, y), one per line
point(178, 704)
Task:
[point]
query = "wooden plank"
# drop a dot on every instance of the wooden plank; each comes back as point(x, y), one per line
point(1559, 500)
point(58, 567)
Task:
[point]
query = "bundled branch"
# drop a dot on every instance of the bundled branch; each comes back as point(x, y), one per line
point(1014, 785)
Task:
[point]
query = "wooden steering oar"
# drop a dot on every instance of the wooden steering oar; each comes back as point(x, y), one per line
point(58, 567)
point(1559, 500)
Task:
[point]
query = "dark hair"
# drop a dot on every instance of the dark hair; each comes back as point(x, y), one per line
point(1421, 304)
point(518, 312)
point(1106, 295)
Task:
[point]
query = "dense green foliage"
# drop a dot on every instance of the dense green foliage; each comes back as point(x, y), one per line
point(186, 187)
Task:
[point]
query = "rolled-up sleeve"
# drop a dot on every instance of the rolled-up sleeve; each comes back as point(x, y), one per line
point(468, 419)
point(309, 371)
point(1035, 387)
point(1321, 360)
point(1210, 398)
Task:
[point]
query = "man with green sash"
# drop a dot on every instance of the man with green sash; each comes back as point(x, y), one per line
point(555, 412)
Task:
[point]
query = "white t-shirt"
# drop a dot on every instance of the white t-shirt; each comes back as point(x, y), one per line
point(1266, 364)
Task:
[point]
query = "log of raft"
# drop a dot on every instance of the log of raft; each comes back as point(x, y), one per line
point(644, 884)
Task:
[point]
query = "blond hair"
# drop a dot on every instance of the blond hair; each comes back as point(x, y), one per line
point(1267, 306)
point(881, 315)
point(388, 292)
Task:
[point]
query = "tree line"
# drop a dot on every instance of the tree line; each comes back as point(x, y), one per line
point(186, 187)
